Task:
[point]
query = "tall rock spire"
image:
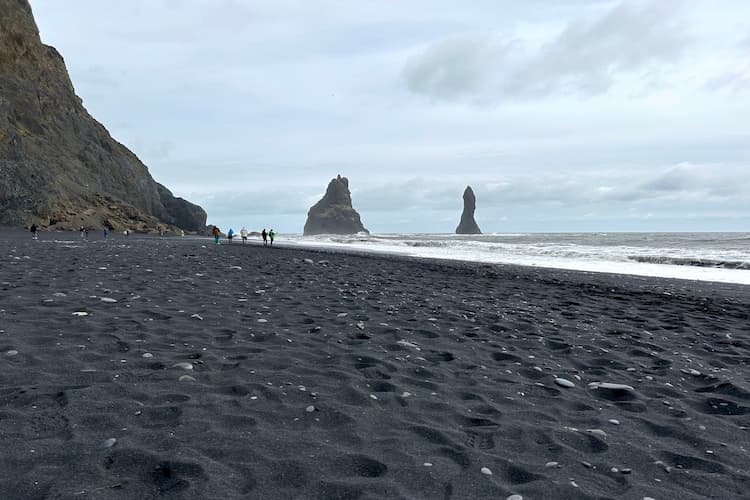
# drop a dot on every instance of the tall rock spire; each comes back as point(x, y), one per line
point(334, 213)
point(468, 225)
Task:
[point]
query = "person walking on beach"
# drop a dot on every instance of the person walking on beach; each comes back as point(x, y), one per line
point(83, 232)
point(264, 235)
point(106, 232)
point(243, 234)
point(34, 232)
point(230, 235)
point(217, 234)
point(271, 234)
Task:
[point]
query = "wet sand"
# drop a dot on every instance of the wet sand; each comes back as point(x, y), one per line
point(172, 368)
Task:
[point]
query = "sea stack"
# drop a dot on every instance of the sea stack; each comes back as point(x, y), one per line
point(468, 225)
point(59, 167)
point(334, 213)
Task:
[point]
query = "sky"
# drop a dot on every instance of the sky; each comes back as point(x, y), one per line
point(572, 115)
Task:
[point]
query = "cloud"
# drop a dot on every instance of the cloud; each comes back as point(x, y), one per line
point(586, 58)
point(737, 78)
point(455, 67)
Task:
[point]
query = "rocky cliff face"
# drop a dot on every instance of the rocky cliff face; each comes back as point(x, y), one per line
point(468, 225)
point(334, 214)
point(58, 166)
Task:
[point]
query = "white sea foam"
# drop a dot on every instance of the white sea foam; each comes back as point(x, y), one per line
point(720, 257)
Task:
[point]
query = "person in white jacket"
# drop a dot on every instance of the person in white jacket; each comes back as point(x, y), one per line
point(243, 234)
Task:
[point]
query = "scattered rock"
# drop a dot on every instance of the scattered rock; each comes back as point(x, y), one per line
point(197, 316)
point(109, 443)
point(183, 365)
point(486, 471)
point(12, 352)
point(80, 313)
point(108, 300)
point(186, 378)
point(147, 355)
point(514, 497)
point(310, 409)
point(613, 421)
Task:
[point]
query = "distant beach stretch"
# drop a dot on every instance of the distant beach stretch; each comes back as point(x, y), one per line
point(147, 367)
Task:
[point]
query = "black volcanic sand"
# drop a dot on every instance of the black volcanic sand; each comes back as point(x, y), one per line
point(249, 372)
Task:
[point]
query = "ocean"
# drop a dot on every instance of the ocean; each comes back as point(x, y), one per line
point(720, 257)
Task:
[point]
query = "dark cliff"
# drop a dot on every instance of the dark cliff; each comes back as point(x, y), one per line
point(59, 167)
point(334, 213)
point(468, 225)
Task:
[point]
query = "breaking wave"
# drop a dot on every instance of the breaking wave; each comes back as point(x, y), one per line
point(678, 261)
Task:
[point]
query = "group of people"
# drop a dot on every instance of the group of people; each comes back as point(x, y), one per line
point(244, 233)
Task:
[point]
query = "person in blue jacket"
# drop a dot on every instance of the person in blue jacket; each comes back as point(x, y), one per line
point(230, 235)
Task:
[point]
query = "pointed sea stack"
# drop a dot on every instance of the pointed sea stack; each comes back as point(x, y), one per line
point(334, 214)
point(468, 225)
point(59, 167)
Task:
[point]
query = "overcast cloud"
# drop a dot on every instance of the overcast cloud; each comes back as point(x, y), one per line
point(563, 116)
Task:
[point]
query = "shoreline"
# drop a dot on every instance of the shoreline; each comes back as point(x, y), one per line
point(646, 261)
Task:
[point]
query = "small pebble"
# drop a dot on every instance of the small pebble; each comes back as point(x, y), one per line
point(109, 443)
point(147, 355)
point(486, 471)
point(80, 313)
point(184, 366)
point(12, 352)
point(186, 378)
point(310, 409)
point(514, 497)
point(613, 421)
point(108, 300)
point(427, 464)
point(552, 464)
point(197, 316)
point(564, 383)
point(626, 471)
point(373, 396)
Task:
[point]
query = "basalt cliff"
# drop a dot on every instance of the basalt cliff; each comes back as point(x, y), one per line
point(334, 213)
point(59, 167)
point(468, 225)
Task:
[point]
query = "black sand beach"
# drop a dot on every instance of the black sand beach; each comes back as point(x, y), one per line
point(172, 368)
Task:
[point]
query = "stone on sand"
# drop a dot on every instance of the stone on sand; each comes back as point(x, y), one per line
point(486, 471)
point(564, 383)
point(183, 365)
